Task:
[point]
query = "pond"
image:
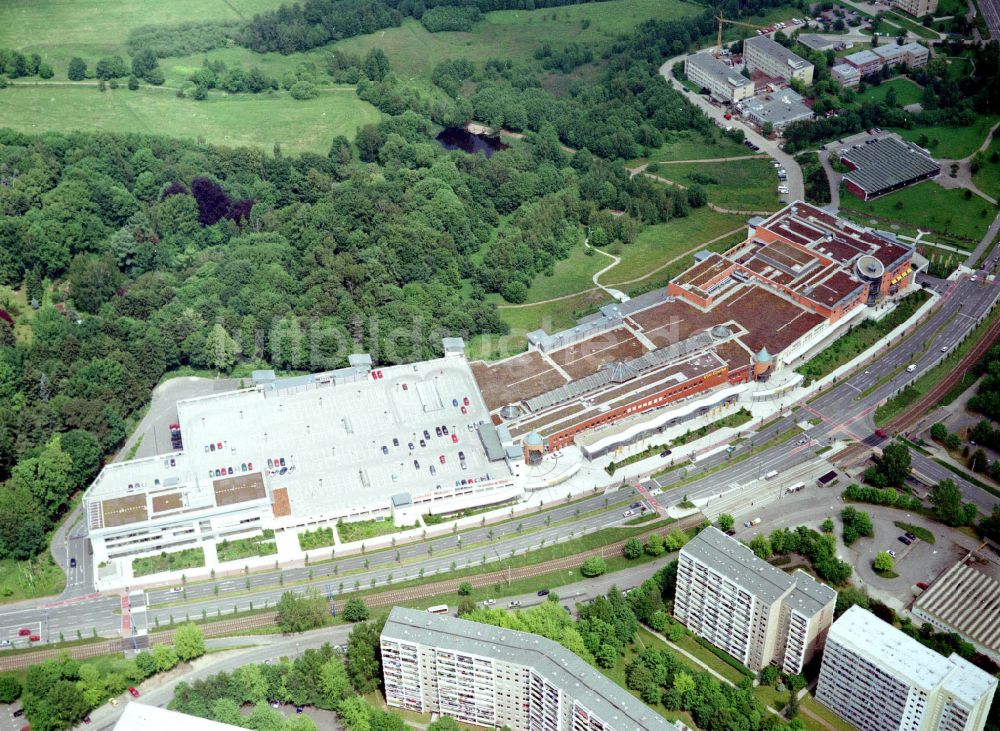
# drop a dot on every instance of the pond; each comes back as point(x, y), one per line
point(456, 138)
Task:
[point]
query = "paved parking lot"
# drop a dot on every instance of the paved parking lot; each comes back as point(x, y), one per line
point(918, 562)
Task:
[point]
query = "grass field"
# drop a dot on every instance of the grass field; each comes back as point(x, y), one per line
point(743, 185)
point(656, 245)
point(903, 22)
point(988, 177)
point(29, 579)
point(907, 92)
point(515, 33)
point(59, 30)
point(570, 275)
point(691, 146)
point(952, 143)
point(239, 120)
point(928, 206)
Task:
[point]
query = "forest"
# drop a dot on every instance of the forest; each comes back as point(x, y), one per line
point(134, 256)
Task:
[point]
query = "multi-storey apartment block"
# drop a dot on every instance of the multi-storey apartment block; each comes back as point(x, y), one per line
point(490, 676)
point(881, 679)
point(757, 613)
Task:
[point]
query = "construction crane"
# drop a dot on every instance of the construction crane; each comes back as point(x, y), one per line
point(718, 43)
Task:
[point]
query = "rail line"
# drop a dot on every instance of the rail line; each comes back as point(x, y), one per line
point(917, 409)
point(381, 599)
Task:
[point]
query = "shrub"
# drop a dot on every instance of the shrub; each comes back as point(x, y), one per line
point(355, 610)
point(594, 566)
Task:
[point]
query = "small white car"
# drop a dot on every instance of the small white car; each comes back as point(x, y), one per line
point(489, 602)
point(177, 590)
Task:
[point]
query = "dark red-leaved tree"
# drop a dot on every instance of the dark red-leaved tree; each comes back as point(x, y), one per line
point(5, 316)
point(174, 188)
point(214, 203)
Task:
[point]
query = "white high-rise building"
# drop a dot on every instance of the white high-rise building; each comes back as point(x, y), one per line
point(490, 676)
point(757, 613)
point(881, 679)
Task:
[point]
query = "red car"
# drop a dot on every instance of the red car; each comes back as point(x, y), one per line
point(727, 115)
point(134, 692)
point(465, 410)
point(441, 459)
point(466, 401)
point(23, 632)
point(880, 433)
point(454, 438)
point(34, 638)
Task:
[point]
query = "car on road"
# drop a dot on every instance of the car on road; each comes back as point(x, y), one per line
point(113, 701)
point(921, 584)
point(454, 402)
point(489, 602)
point(427, 434)
point(655, 491)
point(441, 458)
point(944, 348)
point(543, 592)
point(666, 453)
point(4, 643)
point(86, 719)
point(912, 367)
point(23, 632)
point(627, 513)
point(880, 433)
point(34, 638)
point(905, 541)
point(299, 709)
point(513, 603)
point(18, 713)
point(176, 589)
point(133, 692)
point(454, 437)
point(635, 506)
point(385, 449)
point(410, 446)
point(416, 465)
point(72, 563)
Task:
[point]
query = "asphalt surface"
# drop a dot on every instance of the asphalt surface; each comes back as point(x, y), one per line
point(844, 410)
point(103, 613)
point(273, 647)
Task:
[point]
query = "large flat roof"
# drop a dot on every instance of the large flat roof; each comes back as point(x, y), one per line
point(317, 441)
point(707, 63)
point(772, 48)
point(968, 601)
point(610, 702)
point(140, 717)
point(887, 163)
point(866, 635)
point(739, 564)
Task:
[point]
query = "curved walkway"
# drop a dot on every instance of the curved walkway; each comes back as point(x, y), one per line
point(647, 275)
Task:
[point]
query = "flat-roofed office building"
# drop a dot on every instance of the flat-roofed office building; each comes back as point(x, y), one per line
point(773, 59)
point(491, 676)
point(723, 82)
point(881, 679)
point(757, 613)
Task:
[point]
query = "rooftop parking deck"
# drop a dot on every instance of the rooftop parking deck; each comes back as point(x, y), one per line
point(311, 446)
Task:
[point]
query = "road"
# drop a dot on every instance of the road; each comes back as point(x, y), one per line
point(273, 647)
point(103, 613)
point(796, 190)
point(845, 410)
